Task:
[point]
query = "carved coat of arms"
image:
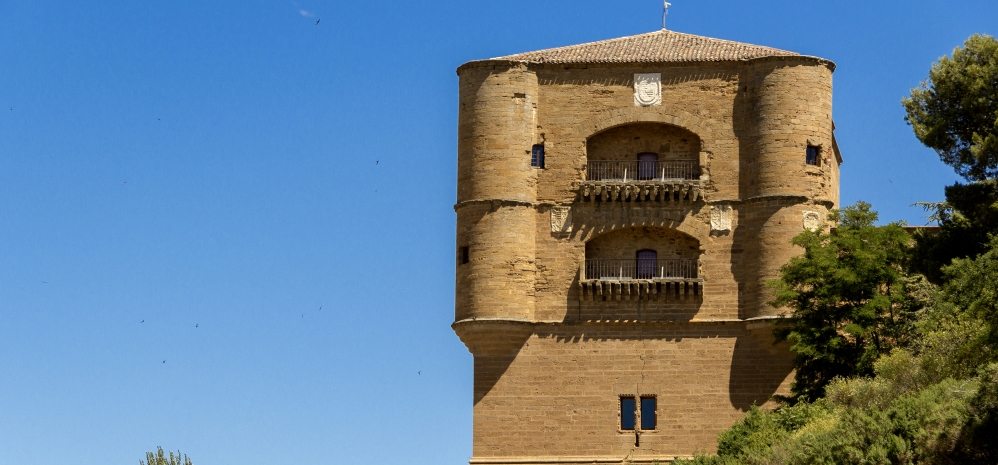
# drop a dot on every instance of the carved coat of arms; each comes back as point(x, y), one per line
point(648, 89)
point(812, 221)
point(720, 218)
point(561, 220)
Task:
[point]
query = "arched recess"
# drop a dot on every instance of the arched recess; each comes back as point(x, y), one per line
point(643, 151)
point(618, 254)
point(671, 116)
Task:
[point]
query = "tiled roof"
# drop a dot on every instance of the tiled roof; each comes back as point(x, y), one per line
point(652, 47)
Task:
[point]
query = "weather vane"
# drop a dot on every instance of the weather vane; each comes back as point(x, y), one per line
point(665, 12)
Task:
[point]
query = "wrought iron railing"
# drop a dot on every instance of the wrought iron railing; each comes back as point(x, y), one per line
point(641, 268)
point(641, 170)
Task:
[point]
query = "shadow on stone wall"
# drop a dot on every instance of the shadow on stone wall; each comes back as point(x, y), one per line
point(489, 370)
point(758, 368)
point(494, 344)
point(665, 308)
point(747, 249)
point(744, 244)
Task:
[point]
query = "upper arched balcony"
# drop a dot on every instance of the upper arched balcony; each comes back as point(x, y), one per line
point(642, 162)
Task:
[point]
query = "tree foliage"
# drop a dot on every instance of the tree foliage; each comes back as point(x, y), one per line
point(850, 297)
point(932, 402)
point(966, 220)
point(955, 112)
point(160, 457)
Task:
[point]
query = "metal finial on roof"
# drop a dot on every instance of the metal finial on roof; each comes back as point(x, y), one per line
point(665, 11)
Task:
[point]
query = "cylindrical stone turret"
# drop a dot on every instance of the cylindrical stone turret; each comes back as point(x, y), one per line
point(498, 121)
point(496, 216)
point(793, 110)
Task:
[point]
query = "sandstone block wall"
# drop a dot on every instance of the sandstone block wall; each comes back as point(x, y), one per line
point(559, 394)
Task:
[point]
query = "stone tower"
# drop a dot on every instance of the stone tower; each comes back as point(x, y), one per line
point(621, 206)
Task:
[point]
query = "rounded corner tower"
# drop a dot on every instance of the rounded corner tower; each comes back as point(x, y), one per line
point(621, 206)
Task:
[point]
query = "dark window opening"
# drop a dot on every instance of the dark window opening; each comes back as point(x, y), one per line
point(813, 155)
point(628, 413)
point(647, 165)
point(648, 414)
point(537, 156)
point(464, 255)
point(646, 260)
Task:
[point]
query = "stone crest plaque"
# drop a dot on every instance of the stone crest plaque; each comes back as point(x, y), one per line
point(647, 89)
point(812, 221)
point(561, 220)
point(720, 218)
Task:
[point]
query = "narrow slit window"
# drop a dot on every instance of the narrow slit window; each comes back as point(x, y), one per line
point(649, 419)
point(813, 156)
point(464, 255)
point(628, 413)
point(537, 156)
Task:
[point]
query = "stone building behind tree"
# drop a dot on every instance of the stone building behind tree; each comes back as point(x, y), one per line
point(621, 206)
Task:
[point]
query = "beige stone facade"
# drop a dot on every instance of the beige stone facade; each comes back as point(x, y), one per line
point(635, 261)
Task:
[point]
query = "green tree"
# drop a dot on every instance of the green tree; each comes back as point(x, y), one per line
point(972, 287)
point(955, 112)
point(958, 337)
point(966, 220)
point(851, 298)
point(160, 457)
point(932, 403)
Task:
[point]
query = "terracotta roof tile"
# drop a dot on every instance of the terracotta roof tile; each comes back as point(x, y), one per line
point(652, 47)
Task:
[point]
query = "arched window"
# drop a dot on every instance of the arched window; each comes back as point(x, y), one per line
point(646, 261)
point(647, 165)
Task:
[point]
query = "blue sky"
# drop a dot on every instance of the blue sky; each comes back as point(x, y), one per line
point(227, 229)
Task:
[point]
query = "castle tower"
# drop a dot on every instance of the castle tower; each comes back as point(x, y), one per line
point(621, 206)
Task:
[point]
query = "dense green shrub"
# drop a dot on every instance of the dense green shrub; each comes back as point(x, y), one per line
point(931, 401)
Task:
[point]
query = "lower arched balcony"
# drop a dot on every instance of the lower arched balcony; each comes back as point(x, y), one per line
point(641, 263)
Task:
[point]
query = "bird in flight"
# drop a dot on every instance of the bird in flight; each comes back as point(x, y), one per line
point(317, 21)
point(164, 361)
point(143, 321)
point(196, 325)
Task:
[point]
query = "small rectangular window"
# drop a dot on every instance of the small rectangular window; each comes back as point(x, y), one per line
point(537, 156)
point(628, 414)
point(463, 255)
point(648, 414)
point(813, 155)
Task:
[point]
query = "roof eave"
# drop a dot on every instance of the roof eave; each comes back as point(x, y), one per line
point(492, 62)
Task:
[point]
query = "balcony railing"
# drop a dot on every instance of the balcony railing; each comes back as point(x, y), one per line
point(622, 269)
point(643, 170)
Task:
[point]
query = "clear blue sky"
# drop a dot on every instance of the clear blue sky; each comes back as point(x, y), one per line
point(227, 229)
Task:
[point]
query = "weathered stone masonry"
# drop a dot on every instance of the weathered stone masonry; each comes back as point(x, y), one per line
point(553, 299)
